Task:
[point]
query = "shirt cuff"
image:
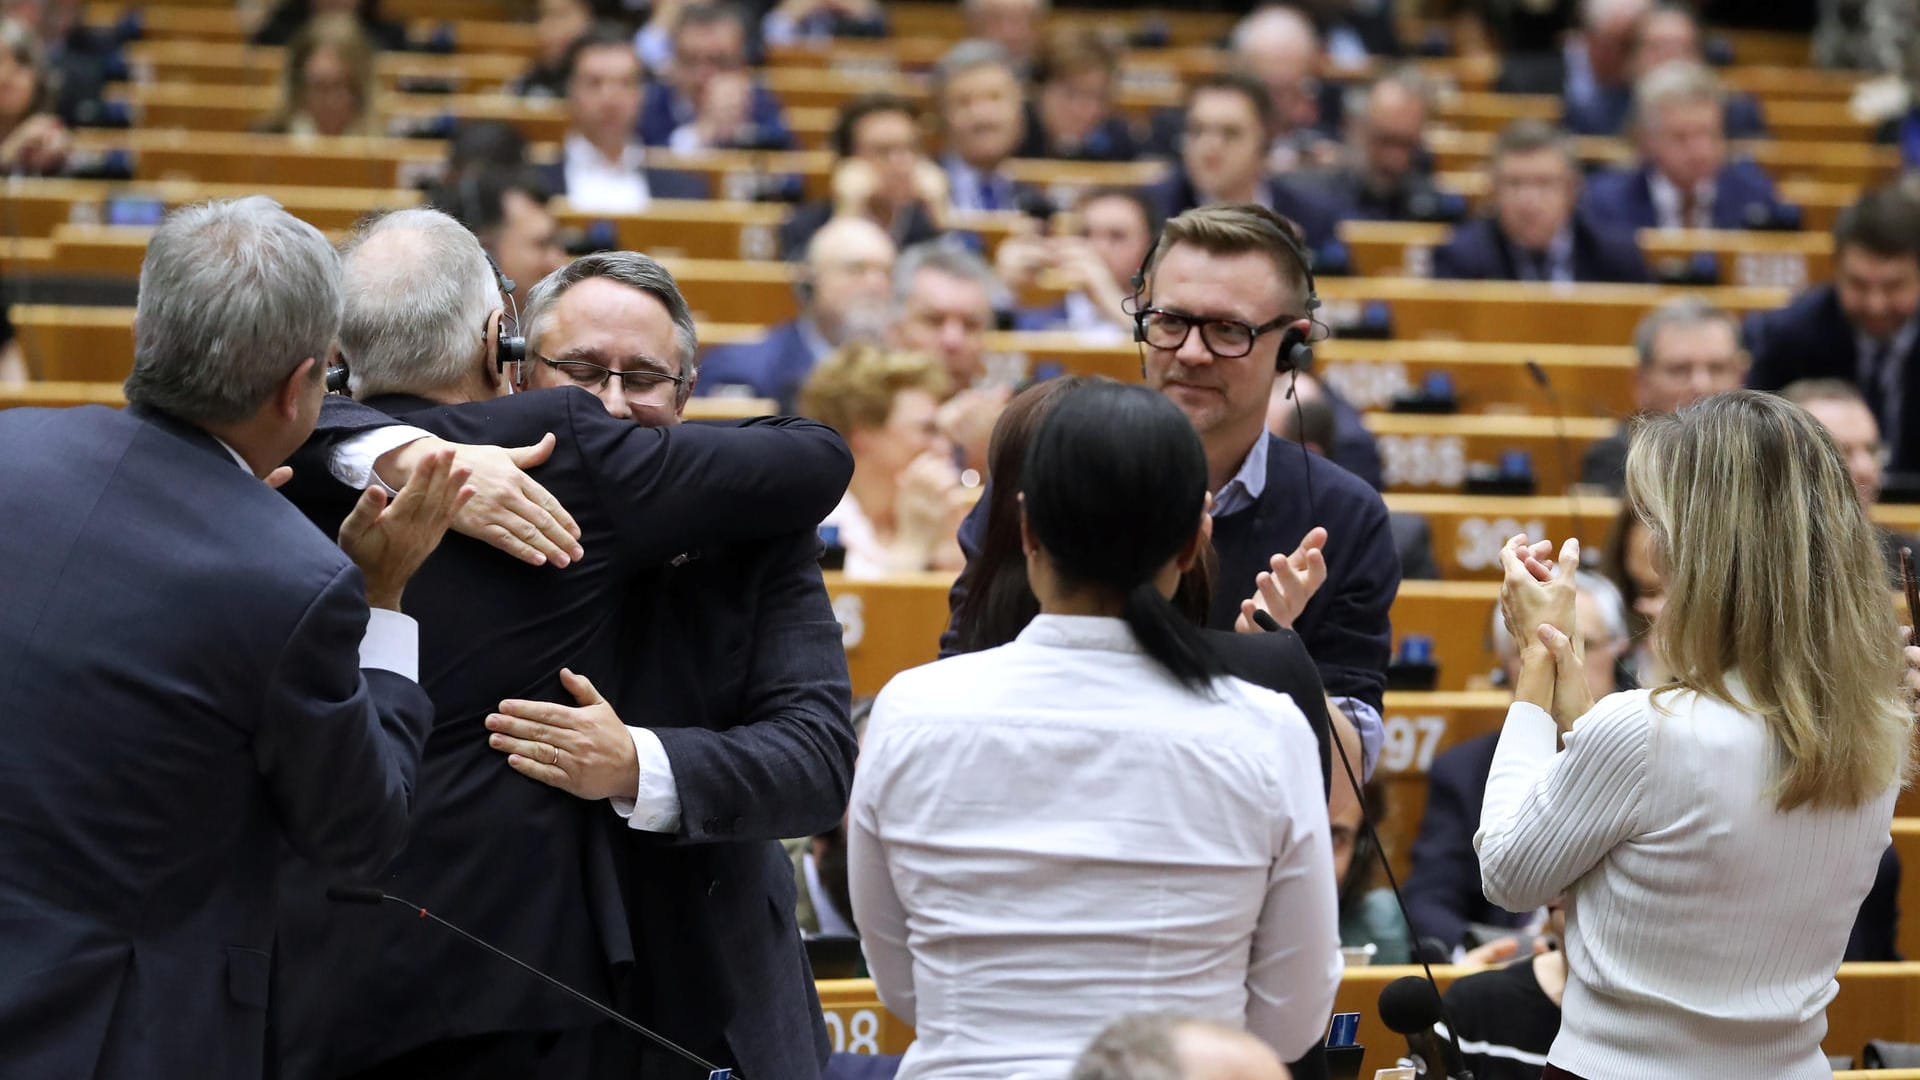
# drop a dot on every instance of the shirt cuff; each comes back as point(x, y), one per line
point(1373, 732)
point(391, 643)
point(351, 462)
point(655, 806)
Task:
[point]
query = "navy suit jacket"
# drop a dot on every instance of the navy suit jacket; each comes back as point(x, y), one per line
point(662, 110)
point(1606, 112)
point(1317, 211)
point(738, 667)
point(1623, 198)
point(1478, 251)
point(527, 866)
point(774, 367)
point(1811, 338)
point(661, 183)
point(184, 702)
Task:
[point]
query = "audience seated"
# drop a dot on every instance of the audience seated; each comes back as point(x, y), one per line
point(1687, 348)
point(485, 144)
point(507, 209)
point(79, 57)
point(1015, 25)
point(904, 505)
point(792, 21)
point(881, 174)
point(1594, 60)
point(603, 168)
point(1072, 115)
point(1506, 1018)
point(1333, 428)
point(1536, 231)
point(707, 99)
point(1451, 915)
point(558, 25)
point(1863, 35)
point(1388, 175)
point(33, 140)
point(1222, 160)
point(979, 95)
point(1112, 228)
point(1369, 913)
point(943, 298)
point(289, 17)
point(1280, 48)
point(328, 88)
point(1667, 32)
point(1861, 326)
point(1841, 409)
point(846, 296)
point(1685, 179)
point(1164, 1047)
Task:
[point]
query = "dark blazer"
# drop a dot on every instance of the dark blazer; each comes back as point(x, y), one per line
point(774, 367)
point(1479, 251)
point(1110, 140)
point(736, 663)
point(1413, 541)
point(662, 109)
point(913, 227)
point(661, 183)
point(1604, 465)
point(1414, 199)
point(1811, 338)
point(184, 702)
point(1606, 112)
point(1317, 211)
point(1743, 197)
point(524, 865)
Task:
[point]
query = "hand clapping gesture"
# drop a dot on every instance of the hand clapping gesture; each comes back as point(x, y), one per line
point(1537, 601)
point(1283, 590)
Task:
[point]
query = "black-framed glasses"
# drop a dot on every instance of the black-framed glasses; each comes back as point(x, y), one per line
point(1224, 338)
point(593, 376)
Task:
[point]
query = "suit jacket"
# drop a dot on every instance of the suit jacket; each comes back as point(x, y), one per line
point(662, 109)
point(1811, 338)
point(1604, 465)
point(184, 700)
point(736, 663)
point(1110, 140)
point(774, 367)
point(1606, 112)
point(1413, 542)
point(1415, 199)
point(1479, 251)
point(1316, 211)
point(661, 183)
point(526, 866)
point(1743, 196)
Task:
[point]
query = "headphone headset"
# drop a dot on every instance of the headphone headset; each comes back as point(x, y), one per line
point(508, 348)
point(1296, 352)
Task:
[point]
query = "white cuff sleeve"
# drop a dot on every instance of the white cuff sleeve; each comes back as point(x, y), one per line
point(351, 462)
point(391, 643)
point(655, 807)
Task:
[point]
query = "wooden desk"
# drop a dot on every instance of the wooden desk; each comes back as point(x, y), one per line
point(1420, 452)
point(1519, 311)
point(233, 63)
point(1850, 161)
point(1487, 377)
point(39, 206)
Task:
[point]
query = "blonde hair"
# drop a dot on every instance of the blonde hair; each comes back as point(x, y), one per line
point(1774, 572)
point(854, 388)
point(344, 35)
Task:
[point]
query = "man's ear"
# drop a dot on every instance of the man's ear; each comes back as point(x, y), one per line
point(299, 383)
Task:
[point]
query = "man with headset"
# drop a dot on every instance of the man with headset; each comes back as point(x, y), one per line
point(370, 992)
point(1224, 300)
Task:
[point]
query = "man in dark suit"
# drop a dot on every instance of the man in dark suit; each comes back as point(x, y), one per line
point(1666, 33)
point(195, 681)
point(1843, 411)
point(1686, 349)
point(1685, 179)
point(740, 679)
point(1535, 233)
point(516, 862)
point(979, 94)
point(846, 294)
point(707, 100)
point(1389, 175)
point(1860, 327)
point(603, 165)
point(1223, 160)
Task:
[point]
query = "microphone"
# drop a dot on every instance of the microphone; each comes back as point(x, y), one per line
point(364, 894)
point(1410, 1006)
point(1564, 445)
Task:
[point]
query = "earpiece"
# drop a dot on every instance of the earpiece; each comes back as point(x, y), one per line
point(507, 348)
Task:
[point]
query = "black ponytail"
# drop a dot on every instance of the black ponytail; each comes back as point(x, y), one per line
point(1169, 638)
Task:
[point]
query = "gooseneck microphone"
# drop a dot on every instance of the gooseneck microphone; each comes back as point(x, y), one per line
point(1410, 1006)
point(362, 894)
point(1565, 446)
point(1429, 987)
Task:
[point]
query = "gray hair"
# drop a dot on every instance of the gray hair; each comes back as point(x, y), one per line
point(1137, 1047)
point(629, 268)
point(1680, 311)
point(949, 259)
point(1676, 82)
point(969, 55)
point(1596, 587)
point(419, 290)
point(234, 295)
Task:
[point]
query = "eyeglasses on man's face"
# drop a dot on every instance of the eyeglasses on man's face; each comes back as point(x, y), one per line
point(641, 382)
point(1224, 338)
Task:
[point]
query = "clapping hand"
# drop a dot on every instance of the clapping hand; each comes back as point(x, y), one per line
point(390, 541)
point(1537, 602)
point(1283, 590)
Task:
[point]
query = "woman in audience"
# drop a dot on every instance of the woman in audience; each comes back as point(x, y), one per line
point(1628, 562)
point(1071, 114)
point(33, 141)
point(1046, 834)
point(290, 17)
point(329, 83)
point(1714, 836)
point(903, 508)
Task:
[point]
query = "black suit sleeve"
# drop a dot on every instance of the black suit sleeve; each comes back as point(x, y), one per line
point(1876, 929)
point(1445, 878)
point(784, 766)
point(337, 746)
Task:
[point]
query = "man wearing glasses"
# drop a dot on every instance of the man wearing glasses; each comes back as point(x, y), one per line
point(534, 869)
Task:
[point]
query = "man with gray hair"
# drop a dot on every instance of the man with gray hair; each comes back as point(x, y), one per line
point(1159, 1046)
point(523, 865)
point(945, 298)
point(1687, 349)
point(196, 682)
point(741, 680)
point(977, 89)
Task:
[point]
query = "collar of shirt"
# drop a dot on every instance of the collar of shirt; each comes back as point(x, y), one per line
point(969, 185)
point(1875, 354)
point(1666, 200)
point(237, 459)
point(1247, 485)
point(581, 153)
point(1080, 632)
point(1084, 317)
point(817, 344)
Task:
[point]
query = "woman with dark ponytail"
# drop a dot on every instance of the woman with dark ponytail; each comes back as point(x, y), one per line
point(1047, 833)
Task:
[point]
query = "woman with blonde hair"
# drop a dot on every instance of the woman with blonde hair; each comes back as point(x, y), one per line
point(328, 87)
point(1714, 835)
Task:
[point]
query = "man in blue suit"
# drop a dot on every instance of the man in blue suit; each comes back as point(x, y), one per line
point(603, 166)
point(740, 678)
point(195, 682)
point(1665, 33)
point(845, 295)
point(1685, 179)
point(1535, 232)
point(707, 100)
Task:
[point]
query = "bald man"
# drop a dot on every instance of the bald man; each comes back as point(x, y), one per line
point(1279, 46)
point(1159, 1046)
point(1387, 175)
point(845, 293)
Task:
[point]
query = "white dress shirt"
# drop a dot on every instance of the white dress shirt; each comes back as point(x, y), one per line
point(1666, 203)
point(602, 186)
point(1704, 926)
point(1049, 834)
point(867, 557)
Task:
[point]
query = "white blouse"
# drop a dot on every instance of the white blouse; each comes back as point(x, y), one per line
point(1047, 835)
